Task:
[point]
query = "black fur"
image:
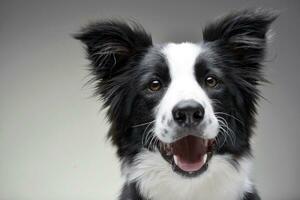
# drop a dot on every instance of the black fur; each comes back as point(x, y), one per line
point(123, 60)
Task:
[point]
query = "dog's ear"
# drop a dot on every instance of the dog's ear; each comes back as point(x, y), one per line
point(244, 33)
point(110, 45)
point(113, 47)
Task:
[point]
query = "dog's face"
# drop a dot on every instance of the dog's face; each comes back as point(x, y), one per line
point(187, 101)
point(181, 82)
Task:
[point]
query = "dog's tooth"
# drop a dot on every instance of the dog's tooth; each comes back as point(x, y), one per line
point(204, 158)
point(175, 159)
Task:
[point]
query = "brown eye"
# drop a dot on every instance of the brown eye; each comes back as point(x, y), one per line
point(211, 81)
point(155, 85)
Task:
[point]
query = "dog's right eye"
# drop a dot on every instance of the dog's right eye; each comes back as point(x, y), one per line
point(155, 85)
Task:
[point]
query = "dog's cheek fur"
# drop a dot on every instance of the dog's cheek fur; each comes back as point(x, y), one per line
point(128, 138)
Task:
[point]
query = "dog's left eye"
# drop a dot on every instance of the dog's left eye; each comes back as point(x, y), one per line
point(211, 81)
point(154, 85)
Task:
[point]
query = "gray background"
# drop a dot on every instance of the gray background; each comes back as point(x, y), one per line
point(52, 133)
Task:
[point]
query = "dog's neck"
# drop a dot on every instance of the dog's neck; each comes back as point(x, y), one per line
point(156, 180)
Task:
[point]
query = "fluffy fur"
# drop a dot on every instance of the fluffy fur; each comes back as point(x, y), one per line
point(124, 62)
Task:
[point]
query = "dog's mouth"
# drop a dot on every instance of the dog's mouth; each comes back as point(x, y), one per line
point(188, 156)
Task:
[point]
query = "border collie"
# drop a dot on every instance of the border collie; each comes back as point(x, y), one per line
point(182, 114)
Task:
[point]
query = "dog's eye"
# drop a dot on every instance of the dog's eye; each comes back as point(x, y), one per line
point(211, 81)
point(155, 85)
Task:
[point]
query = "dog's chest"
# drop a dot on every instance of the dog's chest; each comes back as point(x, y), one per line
point(157, 181)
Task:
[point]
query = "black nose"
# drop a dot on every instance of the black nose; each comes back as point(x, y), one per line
point(188, 113)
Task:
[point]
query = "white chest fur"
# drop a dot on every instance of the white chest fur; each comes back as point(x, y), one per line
point(157, 181)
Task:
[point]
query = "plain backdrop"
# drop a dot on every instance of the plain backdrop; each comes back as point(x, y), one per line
point(52, 132)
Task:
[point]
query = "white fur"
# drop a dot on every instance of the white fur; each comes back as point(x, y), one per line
point(157, 180)
point(181, 60)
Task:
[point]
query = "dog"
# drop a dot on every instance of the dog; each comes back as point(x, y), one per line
point(182, 114)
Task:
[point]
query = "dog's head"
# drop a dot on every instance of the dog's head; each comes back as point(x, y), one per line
point(187, 101)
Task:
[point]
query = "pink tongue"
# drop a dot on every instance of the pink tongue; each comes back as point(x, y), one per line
point(189, 167)
point(189, 153)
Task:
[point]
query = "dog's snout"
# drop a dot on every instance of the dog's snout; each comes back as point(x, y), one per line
point(188, 113)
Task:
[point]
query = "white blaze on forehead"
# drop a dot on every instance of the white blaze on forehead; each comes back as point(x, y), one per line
point(181, 58)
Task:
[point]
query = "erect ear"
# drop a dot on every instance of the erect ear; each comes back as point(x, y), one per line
point(110, 45)
point(113, 47)
point(243, 32)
